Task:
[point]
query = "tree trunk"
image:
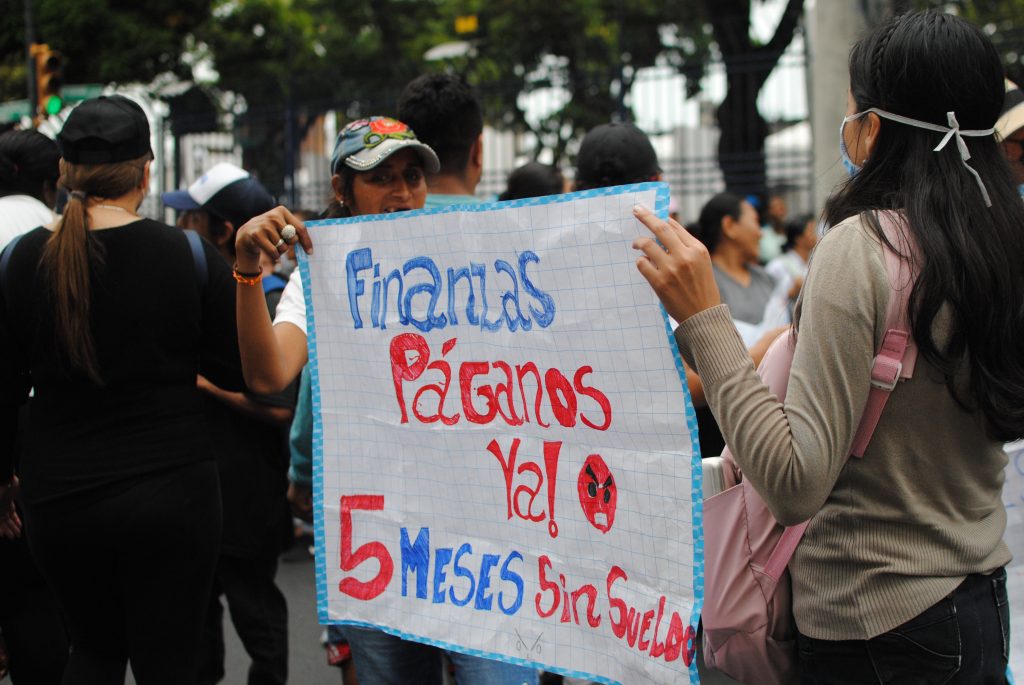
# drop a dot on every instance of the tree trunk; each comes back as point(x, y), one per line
point(742, 134)
point(742, 128)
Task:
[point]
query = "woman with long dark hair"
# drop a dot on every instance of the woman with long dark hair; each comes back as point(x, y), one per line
point(109, 317)
point(899, 576)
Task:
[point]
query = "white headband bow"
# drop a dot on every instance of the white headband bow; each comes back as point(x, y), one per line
point(952, 131)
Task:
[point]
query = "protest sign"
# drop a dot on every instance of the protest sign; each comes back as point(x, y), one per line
point(1013, 499)
point(505, 455)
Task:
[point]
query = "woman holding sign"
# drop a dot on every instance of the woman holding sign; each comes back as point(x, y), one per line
point(379, 167)
point(900, 571)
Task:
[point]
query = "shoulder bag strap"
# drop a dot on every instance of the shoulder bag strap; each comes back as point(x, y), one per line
point(894, 361)
point(898, 355)
point(5, 258)
point(195, 243)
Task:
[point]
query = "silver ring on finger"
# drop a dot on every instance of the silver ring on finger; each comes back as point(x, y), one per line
point(278, 244)
point(288, 232)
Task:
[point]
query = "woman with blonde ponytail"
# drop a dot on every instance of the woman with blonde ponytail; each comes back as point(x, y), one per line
point(108, 318)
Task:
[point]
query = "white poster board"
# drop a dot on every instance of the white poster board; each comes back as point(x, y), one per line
point(1013, 499)
point(505, 454)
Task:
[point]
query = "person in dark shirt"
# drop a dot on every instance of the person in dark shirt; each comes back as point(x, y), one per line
point(31, 628)
point(250, 443)
point(108, 318)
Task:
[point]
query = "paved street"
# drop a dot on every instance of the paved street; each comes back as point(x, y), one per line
point(307, 664)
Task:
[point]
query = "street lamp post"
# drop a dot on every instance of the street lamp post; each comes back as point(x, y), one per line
point(30, 60)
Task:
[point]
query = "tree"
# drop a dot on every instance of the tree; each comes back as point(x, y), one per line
point(293, 60)
point(742, 128)
point(105, 41)
point(592, 49)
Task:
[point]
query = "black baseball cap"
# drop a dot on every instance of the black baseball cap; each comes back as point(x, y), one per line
point(615, 154)
point(104, 130)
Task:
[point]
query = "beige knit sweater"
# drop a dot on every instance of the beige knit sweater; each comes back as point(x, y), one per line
point(893, 532)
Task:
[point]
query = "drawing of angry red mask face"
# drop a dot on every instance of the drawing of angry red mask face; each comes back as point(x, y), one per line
point(598, 493)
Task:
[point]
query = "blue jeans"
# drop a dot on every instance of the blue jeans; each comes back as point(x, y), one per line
point(963, 639)
point(384, 659)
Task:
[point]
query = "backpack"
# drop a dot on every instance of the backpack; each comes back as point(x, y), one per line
point(749, 631)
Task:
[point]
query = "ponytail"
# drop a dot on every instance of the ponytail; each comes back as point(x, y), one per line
point(72, 253)
point(66, 259)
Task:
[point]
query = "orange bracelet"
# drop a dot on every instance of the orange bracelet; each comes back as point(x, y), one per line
point(247, 279)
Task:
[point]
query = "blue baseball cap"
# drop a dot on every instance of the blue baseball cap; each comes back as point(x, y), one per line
point(226, 191)
point(365, 143)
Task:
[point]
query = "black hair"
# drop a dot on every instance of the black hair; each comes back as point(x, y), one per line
point(615, 154)
point(337, 209)
point(29, 161)
point(711, 215)
point(218, 227)
point(923, 65)
point(444, 112)
point(533, 179)
point(795, 228)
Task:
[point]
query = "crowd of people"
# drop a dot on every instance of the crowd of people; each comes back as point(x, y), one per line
point(157, 406)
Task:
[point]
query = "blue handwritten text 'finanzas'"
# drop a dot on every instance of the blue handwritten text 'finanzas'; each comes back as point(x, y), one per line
point(421, 277)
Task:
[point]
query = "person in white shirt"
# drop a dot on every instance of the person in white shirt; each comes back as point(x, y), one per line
point(379, 166)
point(791, 265)
point(28, 182)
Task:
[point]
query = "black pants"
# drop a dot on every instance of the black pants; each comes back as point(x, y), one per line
point(132, 571)
point(964, 639)
point(259, 614)
point(37, 643)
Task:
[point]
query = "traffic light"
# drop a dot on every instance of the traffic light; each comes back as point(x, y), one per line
point(49, 79)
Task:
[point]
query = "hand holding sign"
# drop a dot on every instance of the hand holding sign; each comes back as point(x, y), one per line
point(678, 267)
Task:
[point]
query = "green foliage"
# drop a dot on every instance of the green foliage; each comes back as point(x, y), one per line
point(591, 48)
point(291, 60)
point(102, 40)
point(13, 73)
point(312, 51)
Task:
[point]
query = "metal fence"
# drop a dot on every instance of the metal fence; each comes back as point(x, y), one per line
point(683, 130)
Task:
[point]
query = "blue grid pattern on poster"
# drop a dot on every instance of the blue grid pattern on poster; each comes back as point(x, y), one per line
point(684, 412)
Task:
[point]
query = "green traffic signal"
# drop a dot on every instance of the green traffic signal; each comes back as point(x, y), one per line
point(49, 67)
point(54, 104)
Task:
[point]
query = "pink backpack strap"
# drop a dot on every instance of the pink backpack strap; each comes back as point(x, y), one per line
point(784, 550)
point(898, 355)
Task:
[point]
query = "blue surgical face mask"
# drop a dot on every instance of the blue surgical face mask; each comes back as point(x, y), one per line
point(851, 167)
